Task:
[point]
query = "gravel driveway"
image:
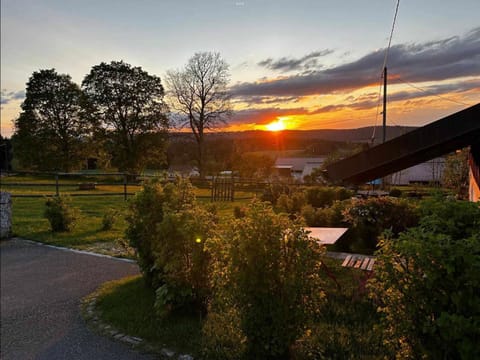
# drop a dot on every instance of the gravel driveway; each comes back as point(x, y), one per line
point(41, 290)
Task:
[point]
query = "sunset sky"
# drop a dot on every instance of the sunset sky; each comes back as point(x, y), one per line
point(304, 64)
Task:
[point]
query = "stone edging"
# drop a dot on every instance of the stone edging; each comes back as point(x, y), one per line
point(91, 315)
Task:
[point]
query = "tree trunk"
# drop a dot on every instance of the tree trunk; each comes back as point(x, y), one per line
point(200, 157)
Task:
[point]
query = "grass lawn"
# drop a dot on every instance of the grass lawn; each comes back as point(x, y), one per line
point(29, 222)
point(127, 304)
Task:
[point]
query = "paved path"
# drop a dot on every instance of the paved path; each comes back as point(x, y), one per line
point(41, 290)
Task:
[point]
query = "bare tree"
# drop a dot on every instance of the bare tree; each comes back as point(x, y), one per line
point(199, 96)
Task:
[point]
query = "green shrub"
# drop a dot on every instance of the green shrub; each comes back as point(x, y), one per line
point(222, 337)
point(325, 217)
point(291, 204)
point(169, 230)
point(145, 213)
point(108, 219)
point(322, 196)
point(238, 212)
point(272, 192)
point(179, 250)
point(269, 272)
point(60, 214)
point(426, 285)
point(459, 219)
point(395, 193)
point(370, 217)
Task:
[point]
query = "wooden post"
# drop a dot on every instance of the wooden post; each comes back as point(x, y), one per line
point(125, 187)
point(213, 189)
point(56, 185)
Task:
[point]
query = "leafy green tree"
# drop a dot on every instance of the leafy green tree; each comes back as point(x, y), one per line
point(128, 104)
point(200, 98)
point(5, 154)
point(254, 166)
point(426, 285)
point(455, 174)
point(50, 130)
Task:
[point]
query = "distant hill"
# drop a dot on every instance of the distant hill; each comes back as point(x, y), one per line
point(223, 148)
point(341, 135)
point(309, 142)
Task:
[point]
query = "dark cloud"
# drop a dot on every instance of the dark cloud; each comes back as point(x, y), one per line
point(8, 96)
point(263, 116)
point(256, 100)
point(444, 59)
point(305, 63)
point(362, 102)
point(369, 101)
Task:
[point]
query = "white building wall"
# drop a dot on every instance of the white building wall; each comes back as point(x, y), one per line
point(430, 171)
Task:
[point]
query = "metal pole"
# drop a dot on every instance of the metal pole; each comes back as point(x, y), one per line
point(384, 104)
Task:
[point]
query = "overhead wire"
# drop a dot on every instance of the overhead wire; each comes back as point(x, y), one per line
point(385, 59)
point(430, 93)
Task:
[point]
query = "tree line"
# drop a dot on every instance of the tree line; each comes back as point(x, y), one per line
point(119, 115)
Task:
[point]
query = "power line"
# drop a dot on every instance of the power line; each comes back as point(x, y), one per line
point(391, 35)
point(383, 67)
point(431, 93)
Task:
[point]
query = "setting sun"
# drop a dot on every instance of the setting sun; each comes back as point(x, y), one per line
point(277, 125)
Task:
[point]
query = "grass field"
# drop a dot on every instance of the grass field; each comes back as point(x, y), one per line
point(30, 223)
point(127, 304)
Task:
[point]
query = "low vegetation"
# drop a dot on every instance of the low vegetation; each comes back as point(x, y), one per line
point(88, 233)
point(60, 214)
point(242, 280)
point(426, 284)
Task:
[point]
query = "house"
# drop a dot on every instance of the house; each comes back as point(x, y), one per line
point(297, 167)
point(423, 173)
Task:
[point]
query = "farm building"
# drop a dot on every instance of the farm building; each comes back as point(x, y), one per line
point(424, 173)
point(297, 167)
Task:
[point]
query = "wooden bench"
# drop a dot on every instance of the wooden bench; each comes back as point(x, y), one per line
point(357, 261)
